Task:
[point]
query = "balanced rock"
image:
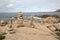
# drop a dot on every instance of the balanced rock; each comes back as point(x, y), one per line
point(20, 20)
point(12, 20)
point(3, 23)
point(32, 22)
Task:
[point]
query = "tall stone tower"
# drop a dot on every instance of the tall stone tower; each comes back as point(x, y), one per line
point(20, 19)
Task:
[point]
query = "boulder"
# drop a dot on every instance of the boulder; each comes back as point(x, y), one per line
point(3, 23)
point(49, 20)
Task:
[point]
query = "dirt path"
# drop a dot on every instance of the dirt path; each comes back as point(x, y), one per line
point(25, 33)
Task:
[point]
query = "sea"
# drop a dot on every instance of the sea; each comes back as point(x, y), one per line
point(7, 16)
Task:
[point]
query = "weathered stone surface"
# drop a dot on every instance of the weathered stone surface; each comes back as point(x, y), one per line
point(57, 26)
point(49, 20)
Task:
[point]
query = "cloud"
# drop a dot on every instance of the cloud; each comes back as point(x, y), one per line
point(10, 5)
point(28, 5)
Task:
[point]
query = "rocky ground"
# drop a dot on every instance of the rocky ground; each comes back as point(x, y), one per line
point(25, 33)
point(40, 31)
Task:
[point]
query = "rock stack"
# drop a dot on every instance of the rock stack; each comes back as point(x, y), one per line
point(10, 26)
point(32, 21)
point(3, 23)
point(12, 20)
point(10, 29)
point(20, 20)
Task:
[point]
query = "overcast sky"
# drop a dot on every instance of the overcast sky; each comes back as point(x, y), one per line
point(29, 5)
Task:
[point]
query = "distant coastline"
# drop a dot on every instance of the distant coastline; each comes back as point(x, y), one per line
point(6, 16)
point(46, 15)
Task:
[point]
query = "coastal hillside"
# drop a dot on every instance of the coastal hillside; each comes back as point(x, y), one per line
point(46, 15)
point(58, 10)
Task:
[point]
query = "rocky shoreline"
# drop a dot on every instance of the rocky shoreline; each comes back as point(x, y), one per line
point(20, 29)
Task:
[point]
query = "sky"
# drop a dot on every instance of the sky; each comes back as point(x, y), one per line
point(29, 5)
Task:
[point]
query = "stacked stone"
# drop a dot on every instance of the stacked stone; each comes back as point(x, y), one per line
point(3, 23)
point(9, 27)
point(20, 20)
point(32, 22)
point(12, 21)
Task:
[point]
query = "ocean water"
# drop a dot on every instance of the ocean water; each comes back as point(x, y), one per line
point(7, 16)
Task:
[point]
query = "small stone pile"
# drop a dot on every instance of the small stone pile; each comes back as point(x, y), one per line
point(3, 23)
point(32, 21)
point(12, 20)
point(10, 26)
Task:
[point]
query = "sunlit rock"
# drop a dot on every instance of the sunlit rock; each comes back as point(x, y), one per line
point(3, 23)
point(49, 20)
point(57, 26)
point(52, 27)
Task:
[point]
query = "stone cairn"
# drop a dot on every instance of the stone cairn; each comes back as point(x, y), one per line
point(10, 27)
point(3, 23)
point(12, 20)
point(32, 21)
point(20, 20)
